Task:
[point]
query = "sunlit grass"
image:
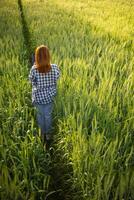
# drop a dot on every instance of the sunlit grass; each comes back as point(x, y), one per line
point(23, 166)
point(92, 42)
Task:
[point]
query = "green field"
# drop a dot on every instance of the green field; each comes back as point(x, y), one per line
point(92, 43)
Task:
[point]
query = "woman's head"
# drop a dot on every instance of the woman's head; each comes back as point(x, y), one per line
point(42, 59)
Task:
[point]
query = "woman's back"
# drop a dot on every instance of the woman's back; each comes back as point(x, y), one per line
point(44, 84)
point(43, 76)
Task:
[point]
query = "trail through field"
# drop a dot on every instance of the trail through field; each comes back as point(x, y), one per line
point(60, 187)
point(92, 156)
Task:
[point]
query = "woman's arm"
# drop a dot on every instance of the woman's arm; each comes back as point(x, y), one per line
point(32, 76)
point(57, 72)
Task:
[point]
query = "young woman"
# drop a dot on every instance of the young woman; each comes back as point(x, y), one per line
point(43, 76)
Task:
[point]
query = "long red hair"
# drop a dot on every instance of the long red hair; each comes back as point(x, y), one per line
point(42, 59)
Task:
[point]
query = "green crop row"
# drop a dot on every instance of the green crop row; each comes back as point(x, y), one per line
point(92, 42)
point(23, 163)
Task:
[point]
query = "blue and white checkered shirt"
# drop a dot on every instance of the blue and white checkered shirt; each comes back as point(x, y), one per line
point(44, 85)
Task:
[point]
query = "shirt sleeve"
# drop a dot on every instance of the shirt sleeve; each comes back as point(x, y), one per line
point(57, 72)
point(32, 76)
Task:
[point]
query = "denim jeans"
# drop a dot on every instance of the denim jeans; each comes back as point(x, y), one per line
point(44, 118)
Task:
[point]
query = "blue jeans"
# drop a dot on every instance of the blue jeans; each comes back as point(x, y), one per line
point(44, 118)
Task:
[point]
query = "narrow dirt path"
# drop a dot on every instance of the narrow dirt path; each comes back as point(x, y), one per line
point(60, 187)
point(26, 33)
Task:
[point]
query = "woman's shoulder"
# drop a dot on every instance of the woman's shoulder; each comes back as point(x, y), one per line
point(54, 65)
point(34, 68)
point(55, 70)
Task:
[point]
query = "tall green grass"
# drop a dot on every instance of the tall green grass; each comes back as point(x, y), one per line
point(92, 42)
point(23, 165)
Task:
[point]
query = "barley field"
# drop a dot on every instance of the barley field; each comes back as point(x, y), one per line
point(92, 43)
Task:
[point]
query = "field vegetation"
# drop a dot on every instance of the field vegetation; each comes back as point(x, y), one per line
point(92, 43)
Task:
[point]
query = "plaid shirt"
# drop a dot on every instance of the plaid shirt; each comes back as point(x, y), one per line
point(43, 85)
